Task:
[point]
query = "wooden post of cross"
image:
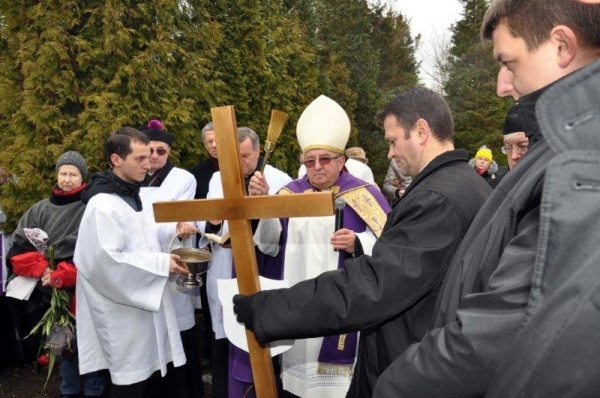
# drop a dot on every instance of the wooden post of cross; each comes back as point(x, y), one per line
point(239, 209)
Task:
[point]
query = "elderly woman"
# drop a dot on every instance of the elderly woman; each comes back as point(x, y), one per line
point(59, 216)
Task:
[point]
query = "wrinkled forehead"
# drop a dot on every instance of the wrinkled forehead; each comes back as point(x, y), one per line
point(209, 136)
point(517, 138)
point(319, 153)
point(68, 168)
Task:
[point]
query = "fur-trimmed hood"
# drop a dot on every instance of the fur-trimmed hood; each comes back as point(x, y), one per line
point(493, 166)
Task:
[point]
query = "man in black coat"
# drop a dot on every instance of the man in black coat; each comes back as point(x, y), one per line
point(390, 295)
point(204, 170)
point(484, 299)
point(556, 353)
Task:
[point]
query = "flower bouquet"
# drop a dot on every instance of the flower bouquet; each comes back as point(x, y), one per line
point(57, 326)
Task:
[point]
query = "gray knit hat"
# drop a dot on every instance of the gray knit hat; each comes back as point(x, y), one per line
point(75, 159)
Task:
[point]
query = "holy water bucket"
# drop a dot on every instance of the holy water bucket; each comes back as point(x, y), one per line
point(197, 261)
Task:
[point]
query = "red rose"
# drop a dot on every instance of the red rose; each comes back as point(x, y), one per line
point(44, 360)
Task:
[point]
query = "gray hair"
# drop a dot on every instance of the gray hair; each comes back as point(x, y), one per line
point(247, 132)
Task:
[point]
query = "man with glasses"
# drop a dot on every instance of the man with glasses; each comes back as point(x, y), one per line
point(516, 142)
point(388, 294)
point(307, 247)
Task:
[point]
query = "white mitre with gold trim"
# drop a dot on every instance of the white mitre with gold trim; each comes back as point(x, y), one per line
point(323, 125)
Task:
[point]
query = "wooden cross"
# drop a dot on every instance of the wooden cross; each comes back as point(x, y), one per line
point(239, 209)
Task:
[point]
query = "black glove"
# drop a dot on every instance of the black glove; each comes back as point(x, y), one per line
point(242, 307)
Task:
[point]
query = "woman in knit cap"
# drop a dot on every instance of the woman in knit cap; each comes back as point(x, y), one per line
point(58, 216)
point(486, 167)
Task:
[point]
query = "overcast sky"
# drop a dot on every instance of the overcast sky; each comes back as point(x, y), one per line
point(431, 19)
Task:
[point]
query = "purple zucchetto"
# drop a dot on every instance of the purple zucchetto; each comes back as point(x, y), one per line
point(155, 131)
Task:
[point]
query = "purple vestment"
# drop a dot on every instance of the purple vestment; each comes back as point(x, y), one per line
point(272, 267)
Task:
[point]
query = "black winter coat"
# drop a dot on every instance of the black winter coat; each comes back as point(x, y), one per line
point(484, 296)
point(557, 354)
point(390, 295)
point(203, 172)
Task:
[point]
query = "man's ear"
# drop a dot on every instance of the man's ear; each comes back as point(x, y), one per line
point(565, 42)
point(115, 159)
point(422, 130)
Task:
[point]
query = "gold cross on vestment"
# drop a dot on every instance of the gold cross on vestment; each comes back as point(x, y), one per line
point(239, 209)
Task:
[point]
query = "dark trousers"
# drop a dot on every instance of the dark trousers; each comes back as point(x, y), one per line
point(25, 315)
point(209, 335)
point(184, 381)
point(220, 368)
point(149, 388)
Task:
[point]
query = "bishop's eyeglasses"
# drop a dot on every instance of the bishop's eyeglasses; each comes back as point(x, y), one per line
point(323, 161)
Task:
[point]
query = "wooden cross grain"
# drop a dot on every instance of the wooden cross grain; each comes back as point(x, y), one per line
point(239, 209)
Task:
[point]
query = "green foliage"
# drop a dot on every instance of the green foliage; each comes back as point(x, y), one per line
point(471, 88)
point(73, 72)
point(267, 62)
point(366, 54)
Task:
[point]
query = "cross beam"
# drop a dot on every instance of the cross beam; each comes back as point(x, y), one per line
point(239, 209)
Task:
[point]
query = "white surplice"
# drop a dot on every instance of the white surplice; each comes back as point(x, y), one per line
point(222, 261)
point(126, 322)
point(179, 185)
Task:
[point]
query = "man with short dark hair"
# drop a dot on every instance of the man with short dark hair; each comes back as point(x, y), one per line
point(390, 295)
point(556, 354)
point(484, 298)
point(125, 317)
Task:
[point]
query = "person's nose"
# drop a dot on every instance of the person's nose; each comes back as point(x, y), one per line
point(504, 87)
point(318, 164)
point(390, 154)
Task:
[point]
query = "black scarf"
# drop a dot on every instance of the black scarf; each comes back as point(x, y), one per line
point(249, 176)
point(157, 178)
point(526, 110)
point(108, 182)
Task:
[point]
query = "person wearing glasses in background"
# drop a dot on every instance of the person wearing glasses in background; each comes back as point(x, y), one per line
point(516, 143)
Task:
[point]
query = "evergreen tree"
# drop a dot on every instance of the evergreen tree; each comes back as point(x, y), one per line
point(471, 87)
point(268, 63)
point(73, 72)
point(397, 71)
point(365, 54)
